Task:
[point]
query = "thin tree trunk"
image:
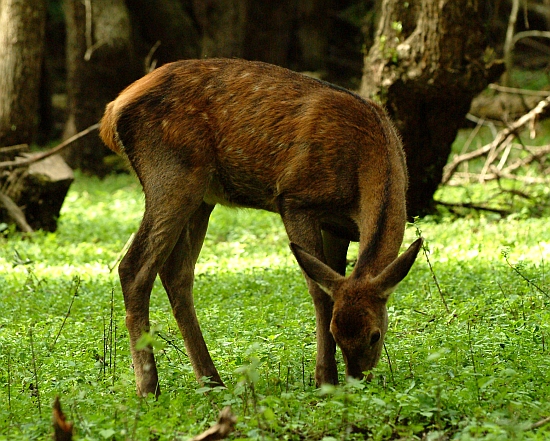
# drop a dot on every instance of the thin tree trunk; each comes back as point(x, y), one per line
point(166, 25)
point(223, 24)
point(100, 63)
point(426, 65)
point(22, 27)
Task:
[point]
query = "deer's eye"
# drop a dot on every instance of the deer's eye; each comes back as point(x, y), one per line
point(375, 337)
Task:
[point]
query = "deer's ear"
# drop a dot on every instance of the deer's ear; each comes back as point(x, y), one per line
point(319, 272)
point(396, 271)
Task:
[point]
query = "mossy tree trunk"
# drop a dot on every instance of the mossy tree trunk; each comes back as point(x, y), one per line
point(428, 61)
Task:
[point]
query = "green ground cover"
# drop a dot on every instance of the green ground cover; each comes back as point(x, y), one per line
point(467, 357)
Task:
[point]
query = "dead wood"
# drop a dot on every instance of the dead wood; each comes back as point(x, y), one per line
point(15, 213)
point(63, 430)
point(33, 186)
point(36, 192)
point(539, 423)
point(9, 152)
point(220, 430)
point(55, 150)
point(498, 151)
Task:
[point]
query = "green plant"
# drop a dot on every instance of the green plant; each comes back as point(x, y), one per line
point(475, 369)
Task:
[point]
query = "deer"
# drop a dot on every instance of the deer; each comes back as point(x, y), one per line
point(198, 133)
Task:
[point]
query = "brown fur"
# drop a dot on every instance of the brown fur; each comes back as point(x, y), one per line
point(249, 134)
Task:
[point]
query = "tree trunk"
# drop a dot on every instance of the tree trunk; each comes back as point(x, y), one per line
point(426, 65)
point(32, 195)
point(22, 25)
point(100, 63)
point(313, 32)
point(169, 24)
point(269, 31)
point(223, 25)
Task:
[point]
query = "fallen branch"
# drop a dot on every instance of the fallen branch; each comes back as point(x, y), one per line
point(55, 150)
point(517, 91)
point(530, 180)
point(220, 430)
point(15, 213)
point(503, 138)
point(502, 212)
point(539, 423)
point(10, 150)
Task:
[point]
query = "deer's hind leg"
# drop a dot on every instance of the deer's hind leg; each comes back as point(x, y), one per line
point(177, 275)
point(169, 204)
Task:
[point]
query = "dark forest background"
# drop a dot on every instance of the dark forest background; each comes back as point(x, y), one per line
point(62, 61)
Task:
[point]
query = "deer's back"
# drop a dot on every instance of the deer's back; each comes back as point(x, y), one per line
point(261, 130)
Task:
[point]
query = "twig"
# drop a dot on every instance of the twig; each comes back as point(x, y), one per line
point(15, 213)
point(432, 272)
point(220, 430)
point(55, 150)
point(122, 252)
point(494, 176)
point(502, 137)
point(171, 343)
point(77, 287)
point(13, 148)
point(149, 63)
point(539, 423)
point(529, 281)
point(509, 40)
point(389, 363)
point(529, 34)
point(36, 389)
point(500, 211)
point(515, 90)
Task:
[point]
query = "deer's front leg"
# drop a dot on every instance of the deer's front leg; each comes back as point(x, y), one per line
point(304, 229)
point(326, 371)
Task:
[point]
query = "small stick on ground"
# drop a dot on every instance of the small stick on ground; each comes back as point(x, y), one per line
point(539, 423)
point(35, 388)
point(432, 272)
point(77, 287)
point(220, 430)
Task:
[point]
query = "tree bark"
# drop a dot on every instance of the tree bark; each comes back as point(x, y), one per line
point(426, 65)
point(22, 25)
point(100, 63)
point(313, 32)
point(223, 26)
point(39, 188)
point(269, 31)
point(168, 23)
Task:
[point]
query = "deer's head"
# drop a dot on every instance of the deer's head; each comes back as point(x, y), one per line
point(359, 318)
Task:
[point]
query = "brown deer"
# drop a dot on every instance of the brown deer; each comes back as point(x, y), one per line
point(249, 134)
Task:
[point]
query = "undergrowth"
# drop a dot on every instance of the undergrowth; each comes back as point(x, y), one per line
point(466, 352)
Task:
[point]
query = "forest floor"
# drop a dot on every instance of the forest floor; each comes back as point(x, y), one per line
point(466, 355)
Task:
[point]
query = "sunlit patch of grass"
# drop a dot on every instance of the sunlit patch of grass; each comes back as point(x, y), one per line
point(467, 360)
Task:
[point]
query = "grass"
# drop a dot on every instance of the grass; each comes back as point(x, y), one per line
point(467, 362)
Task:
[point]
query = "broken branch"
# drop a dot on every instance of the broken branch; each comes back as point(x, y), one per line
point(55, 150)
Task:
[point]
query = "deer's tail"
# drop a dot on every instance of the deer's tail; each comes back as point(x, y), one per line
point(108, 130)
